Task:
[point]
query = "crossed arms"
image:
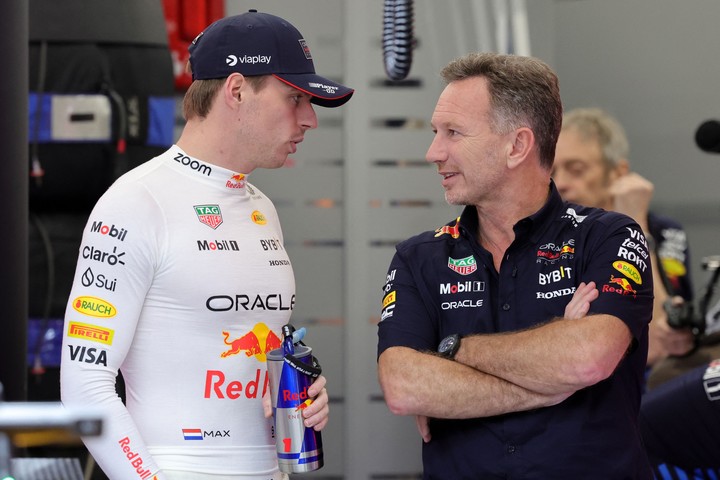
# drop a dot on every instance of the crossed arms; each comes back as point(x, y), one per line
point(508, 372)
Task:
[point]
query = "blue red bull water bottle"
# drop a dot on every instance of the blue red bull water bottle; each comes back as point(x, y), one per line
point(292, 369)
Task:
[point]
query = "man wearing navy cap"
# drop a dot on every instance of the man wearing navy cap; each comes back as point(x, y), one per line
point(183, 282)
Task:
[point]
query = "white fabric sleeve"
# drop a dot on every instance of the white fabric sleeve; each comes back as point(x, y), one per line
point(115, 268)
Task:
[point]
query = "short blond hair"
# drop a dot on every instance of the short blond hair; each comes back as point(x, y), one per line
point(201, 94)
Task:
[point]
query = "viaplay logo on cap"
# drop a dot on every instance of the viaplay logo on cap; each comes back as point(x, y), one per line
point(233, 60)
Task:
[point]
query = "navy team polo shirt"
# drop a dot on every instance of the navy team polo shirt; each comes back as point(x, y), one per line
point(444, 282)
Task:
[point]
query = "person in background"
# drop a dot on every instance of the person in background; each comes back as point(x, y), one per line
point(510, 333)
point(183, 282)
point(679, 421)
point(679, 409)
point(592, 168)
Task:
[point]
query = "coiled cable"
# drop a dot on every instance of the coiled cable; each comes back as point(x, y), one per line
point(397, 38)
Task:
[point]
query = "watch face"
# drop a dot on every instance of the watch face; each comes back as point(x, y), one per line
point(447, 344)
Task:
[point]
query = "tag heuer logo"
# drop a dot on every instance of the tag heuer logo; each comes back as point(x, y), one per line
point(463, 266)
point(210, 215)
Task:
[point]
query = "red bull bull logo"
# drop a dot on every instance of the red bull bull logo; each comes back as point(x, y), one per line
point(452, 230)
point(257, 342)
point(623, 286)
point(304, 405)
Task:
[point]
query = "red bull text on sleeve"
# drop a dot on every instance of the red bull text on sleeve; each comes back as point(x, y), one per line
point(292, 370)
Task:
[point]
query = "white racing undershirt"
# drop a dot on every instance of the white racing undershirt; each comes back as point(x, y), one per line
point(182, 283)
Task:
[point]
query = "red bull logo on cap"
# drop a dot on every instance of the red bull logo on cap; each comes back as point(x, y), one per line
point(257, 342)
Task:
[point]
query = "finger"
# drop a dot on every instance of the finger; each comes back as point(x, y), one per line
point(579, 304)
point(317, 404)
point(267, 405)
point(325, 418)
point(316, 414)
point(423, 427)
point(317, 386)
point(586, 292)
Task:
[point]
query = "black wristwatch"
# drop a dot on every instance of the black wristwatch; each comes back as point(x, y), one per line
point(449, 346)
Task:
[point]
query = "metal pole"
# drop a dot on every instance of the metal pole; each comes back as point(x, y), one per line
point(14, 200)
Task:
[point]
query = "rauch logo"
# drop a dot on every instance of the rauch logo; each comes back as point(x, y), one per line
point(94, 307)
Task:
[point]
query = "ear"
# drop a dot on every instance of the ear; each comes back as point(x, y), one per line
point(232, 88)
point(522, 142)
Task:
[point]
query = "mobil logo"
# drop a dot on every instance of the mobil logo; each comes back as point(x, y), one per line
point(118, 233)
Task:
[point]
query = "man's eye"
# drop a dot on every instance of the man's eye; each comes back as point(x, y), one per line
point(576, 171)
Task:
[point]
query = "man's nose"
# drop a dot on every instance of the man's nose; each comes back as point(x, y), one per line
point(309, 120)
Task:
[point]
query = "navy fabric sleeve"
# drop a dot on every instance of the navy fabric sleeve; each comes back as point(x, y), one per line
point(673, 252)
point(618, 261)
point(680, 419)
point(405, 319)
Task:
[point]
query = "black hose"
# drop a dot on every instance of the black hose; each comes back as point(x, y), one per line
point(397, 38)
point(49, 296)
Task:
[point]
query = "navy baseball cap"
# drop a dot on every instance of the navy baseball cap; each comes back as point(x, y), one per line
point(255, 43)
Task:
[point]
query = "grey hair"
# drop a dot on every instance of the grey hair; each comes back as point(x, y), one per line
point(597, 124)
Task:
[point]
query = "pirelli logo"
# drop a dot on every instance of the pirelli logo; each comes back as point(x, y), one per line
point(91, 332)
point(389, 298)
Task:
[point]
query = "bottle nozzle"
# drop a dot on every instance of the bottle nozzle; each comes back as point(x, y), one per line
point(287, 333)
